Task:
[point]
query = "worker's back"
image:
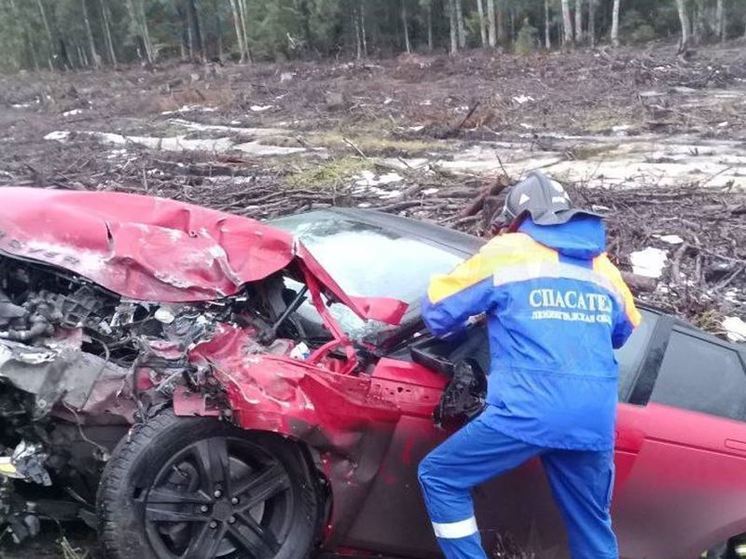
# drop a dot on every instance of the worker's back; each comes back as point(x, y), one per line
point(555, 308)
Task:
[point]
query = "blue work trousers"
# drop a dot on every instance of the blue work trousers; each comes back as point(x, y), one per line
point(581, 483)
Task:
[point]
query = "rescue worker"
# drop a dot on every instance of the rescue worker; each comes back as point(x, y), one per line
point(555, 308)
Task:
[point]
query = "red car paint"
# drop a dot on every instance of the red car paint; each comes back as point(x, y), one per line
point(154, 249)
point(680, 484)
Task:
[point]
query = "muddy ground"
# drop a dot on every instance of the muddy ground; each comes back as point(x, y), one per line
point(657, 141)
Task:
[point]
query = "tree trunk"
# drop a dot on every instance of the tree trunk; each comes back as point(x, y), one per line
point(697, 22)
point(362, 28)
point(567, 23)
point(592, 23)
point(244, 14)
point(139, 30)
point(239, 31)
point(429, 10)
point(405, 26)
point(48, 32)
point(460, 22)
point(95, 58)
point(720, 20)
point(219, 38)
point(194, 29)
point(453, 25)
point(107, 32)
point(615, 24)
point(512, 25)
point(23, 24)
point(149, 53)
point(578, 21)
point(500, 22)
point(491, 27)
point(482, 23)
point(64, 57)
point(685, 25)
point(547, 38)
point(358, 35)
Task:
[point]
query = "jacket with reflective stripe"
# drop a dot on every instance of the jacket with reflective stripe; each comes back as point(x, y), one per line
point(556, 307)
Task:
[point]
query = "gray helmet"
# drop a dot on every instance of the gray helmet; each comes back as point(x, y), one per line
point(543, 198)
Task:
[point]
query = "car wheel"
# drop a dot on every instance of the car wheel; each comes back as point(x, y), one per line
point(198, 488)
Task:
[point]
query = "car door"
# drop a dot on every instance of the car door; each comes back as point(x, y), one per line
point(514, 510)
point(681, 447)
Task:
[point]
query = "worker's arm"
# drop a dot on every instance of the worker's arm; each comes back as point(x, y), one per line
point(626, 316)
point(451, 299)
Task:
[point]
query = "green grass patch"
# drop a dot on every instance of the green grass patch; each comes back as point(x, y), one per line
point(372, 144)
point(328, 174)
point(589, 151)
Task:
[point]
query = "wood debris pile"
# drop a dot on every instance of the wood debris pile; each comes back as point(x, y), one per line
point(698, 235)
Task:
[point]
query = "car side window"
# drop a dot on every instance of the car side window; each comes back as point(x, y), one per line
point(631, 355)
point(702, 375)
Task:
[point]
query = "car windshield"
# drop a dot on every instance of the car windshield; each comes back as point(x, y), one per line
point(368, 260)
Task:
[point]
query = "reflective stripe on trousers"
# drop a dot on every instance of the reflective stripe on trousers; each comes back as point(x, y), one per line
point(581, 483)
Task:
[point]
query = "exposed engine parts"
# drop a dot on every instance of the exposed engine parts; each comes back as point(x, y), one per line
point(79, 363)
point(26, 463)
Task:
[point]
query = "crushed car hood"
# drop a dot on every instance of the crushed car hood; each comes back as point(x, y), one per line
point(155, 249)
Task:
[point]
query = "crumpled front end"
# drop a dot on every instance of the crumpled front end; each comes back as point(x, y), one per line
point(114, 306)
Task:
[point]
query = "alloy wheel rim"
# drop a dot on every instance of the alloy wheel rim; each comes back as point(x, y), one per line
point(220, 497)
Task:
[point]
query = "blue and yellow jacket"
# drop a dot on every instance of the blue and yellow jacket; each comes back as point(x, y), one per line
point(555, 307)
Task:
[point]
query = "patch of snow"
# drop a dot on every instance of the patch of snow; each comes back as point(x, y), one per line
point(116, 153)
point(191, 109)
point(21, 105)
point(58, 136)
point(384, 194)
point(649, 262)
point(261, 108)
point(735, 328)
point(723, 124)
point(173, 143)
point(255, 148)
point(364, 205)
point(671, 239)
point(256, 132)
point(621, 128)
point(526, 126)
point(429, 191)
point(426, 103)
point(521, 99)
point(388, 101)
point(369, 178)
point(181, 143)
point(732, 295)
point(73, 112)
point(415, 128)
point(652, 93)
point(286, 76)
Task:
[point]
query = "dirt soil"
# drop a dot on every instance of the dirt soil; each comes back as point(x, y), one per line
point(655, 140)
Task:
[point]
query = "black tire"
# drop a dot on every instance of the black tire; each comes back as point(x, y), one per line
point(154, 501)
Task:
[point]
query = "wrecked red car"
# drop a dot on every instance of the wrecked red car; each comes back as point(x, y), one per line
point(200, 385)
